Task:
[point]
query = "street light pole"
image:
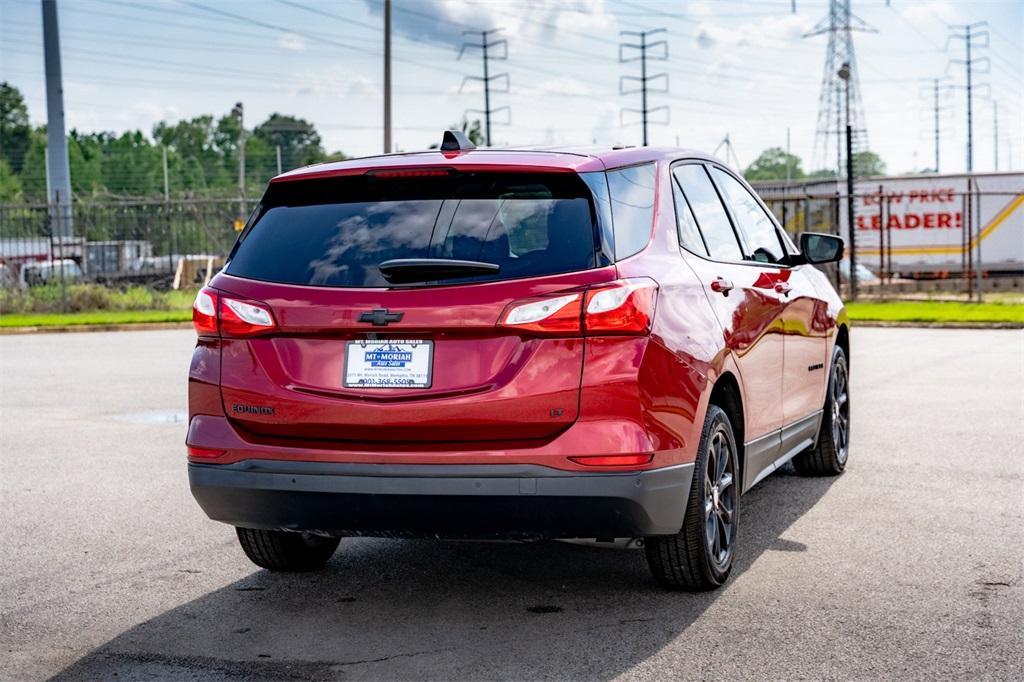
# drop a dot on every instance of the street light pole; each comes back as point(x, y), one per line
point(844, 74)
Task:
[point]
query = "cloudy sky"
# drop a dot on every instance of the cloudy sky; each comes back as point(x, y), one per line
point(736, 67)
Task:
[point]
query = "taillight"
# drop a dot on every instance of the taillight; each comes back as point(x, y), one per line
point(623, 307)
point(244, 318)
point(553, 314)
point(204, 313)
point(218, 314)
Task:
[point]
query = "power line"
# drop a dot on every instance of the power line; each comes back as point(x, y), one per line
point(644, 79)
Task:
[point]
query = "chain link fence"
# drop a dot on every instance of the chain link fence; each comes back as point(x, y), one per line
point(933, 240)
point(916, 238)
point(157, 244)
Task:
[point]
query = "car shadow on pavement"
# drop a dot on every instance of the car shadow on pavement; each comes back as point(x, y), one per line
point(428, 609)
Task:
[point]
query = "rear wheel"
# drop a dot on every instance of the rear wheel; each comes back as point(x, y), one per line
point(277, 550)
point(828, 456)
point(700, 556)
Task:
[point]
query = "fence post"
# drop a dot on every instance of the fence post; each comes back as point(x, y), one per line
point(881, 237)
point(58, 224)
point(977, 209)
point(888, 239)
point(837, 230)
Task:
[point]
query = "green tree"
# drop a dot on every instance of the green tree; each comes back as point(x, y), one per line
point(822, 174)
point(201, 147)
point(10, 184)
point(867, 164)
point(773, 164)
point(474, 131)
point(33, 170)
point(15, 130)
point(85, 161)
point(299, 142)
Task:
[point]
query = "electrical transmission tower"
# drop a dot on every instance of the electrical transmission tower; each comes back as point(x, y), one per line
point(969, 33)
point(486, 47)
point(836, 95)
point(645, 80)
point(730, 153)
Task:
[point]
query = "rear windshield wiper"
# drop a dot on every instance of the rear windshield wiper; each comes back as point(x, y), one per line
point(407, 270)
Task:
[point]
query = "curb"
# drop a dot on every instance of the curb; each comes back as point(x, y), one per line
point(936, 325)
point(68, 328)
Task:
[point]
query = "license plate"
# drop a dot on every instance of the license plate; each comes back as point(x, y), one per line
point(389, 363)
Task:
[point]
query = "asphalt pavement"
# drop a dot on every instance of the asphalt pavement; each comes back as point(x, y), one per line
point(909, 565)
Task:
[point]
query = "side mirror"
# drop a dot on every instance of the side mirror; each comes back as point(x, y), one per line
point(821, 248)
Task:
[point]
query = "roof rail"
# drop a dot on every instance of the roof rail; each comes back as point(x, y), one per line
point(456, 141)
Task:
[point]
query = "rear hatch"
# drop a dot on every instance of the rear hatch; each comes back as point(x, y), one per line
point(387, 292)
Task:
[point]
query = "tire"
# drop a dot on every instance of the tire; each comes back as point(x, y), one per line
point(277, 550)
point(700, 556)
point(829, 454)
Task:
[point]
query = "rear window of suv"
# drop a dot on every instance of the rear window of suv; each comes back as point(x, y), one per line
point(334, 232)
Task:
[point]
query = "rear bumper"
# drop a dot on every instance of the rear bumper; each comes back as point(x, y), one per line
point(479, 501)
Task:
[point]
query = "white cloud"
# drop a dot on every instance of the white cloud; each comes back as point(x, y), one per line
point(291, 42)
point(443, 21)
point(940, 10)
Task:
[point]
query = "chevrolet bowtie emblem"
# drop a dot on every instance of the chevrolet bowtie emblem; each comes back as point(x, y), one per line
point(380, 317)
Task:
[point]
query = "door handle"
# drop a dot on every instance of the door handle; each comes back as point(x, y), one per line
point(722, 286)
point(783, 288)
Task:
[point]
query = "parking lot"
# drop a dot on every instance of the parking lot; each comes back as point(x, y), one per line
point(909, 565)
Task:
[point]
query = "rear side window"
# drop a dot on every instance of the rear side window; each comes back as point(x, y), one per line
point(758, 230)
point(334, 232)
point(689, 235)
point(710, 213)
point(632, 194)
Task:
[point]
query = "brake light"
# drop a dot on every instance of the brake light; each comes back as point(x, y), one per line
point(614, 460)
point(204, 313)
point(623, 307)
point(553, 314)
point(217, 314)
point(244, 318)
point(411, 173)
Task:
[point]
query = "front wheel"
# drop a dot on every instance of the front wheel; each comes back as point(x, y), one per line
point(277, 550)
point(828, 456)
point(699, 557)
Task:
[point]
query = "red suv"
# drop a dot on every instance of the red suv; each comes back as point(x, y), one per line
point(548, 343)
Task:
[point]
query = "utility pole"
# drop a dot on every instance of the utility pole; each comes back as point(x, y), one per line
point(845, 75)
point(935, 88)
point(486, 47)
point(995, 134)
point(58, 172)
point(969, 33)
point(387, 81)
point(645, 80)
point(239, 111)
